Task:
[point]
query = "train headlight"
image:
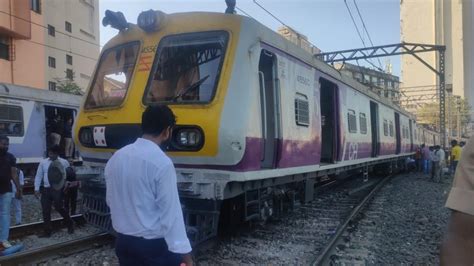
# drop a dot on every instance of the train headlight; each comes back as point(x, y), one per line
point(151, 20)
point(86, 137)
point(187, 138)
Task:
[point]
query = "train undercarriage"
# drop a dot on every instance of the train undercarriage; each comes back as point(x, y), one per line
point(242, 202)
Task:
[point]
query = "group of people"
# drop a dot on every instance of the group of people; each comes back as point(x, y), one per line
point(61, 130)
point(55, 185)
point(432, 161)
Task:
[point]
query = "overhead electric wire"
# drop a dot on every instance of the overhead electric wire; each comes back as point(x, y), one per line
point(360, 35)
point(365, 28)
point(247, 14)
point(60, 32)
point(63, 50)
point(279, 20)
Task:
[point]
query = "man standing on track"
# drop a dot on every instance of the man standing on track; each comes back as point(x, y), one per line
point(52, 171)
point(8, 172)
point(142, 194)
point(455, 156)
point(458, 245)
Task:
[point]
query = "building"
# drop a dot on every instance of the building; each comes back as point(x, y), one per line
point(384, 84)
point(43, 42)
point(298, 39)
point(441, 22)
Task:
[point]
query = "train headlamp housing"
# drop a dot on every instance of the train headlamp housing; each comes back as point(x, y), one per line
point(86, 137)
point(151, 20)
point(187, 138)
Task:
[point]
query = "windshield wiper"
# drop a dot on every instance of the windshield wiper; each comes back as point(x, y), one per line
point(190, 88)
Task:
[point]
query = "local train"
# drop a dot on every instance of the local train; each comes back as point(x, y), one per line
point(25, 115)
point(260, 121)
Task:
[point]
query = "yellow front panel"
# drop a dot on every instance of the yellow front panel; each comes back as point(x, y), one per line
point(207, 116)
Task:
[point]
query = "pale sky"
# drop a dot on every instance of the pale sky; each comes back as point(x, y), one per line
point(326, 23)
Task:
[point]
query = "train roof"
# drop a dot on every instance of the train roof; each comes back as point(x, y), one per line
point(272, 38)
point(39, 95)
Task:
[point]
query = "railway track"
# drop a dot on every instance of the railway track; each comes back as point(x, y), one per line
point(299, 235)
point(23, 230)
point(63, 249)
point(326, 256)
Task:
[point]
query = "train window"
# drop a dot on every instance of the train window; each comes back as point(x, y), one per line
point(385, 127)
point(113, 75)
point(301, 110)
point(187, 68)
point(11, 120)
point(391, 128)
point(352, 121)
point(363, 123)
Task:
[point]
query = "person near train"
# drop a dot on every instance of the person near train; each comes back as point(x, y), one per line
point(56, 130)
point(68, 143)
point(458, 244)
point(143, 197)
point(426, 159)
point(16, 202)
point(456, 152)
point(437, 162)
point(8, 173)
point(419, 159)
point(70, 190)
point(52, 173)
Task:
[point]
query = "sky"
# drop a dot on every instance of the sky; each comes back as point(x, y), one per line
point(326, 23)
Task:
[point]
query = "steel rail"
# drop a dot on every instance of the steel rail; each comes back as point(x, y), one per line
point(324, 256)
point(63, 249)
point(22, 230)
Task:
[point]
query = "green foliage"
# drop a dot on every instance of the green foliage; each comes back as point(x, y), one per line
point(67, 85)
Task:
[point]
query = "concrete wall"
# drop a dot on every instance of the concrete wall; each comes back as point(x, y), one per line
point(83, 41)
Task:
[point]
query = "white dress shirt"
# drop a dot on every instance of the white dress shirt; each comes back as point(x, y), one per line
point(42, 172)
point(142, 194)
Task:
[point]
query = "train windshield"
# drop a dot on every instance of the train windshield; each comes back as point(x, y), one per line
point(113, 76)
point(187, 68)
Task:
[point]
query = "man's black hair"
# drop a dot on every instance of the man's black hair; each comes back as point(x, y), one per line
point(3, 137)
point(454, 142)
point(55, 148)
point(156, 119)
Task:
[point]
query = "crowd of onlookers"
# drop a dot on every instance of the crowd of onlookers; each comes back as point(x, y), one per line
point(55, 185)
point(436, 162)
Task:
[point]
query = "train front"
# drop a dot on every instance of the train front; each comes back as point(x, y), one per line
point(182, 60)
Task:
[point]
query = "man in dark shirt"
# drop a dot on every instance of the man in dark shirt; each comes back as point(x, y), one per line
point(7, 173)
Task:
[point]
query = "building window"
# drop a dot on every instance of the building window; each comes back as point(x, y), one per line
point(52, 86)
point(391, 129)
point(69, 74)
point(69, 59)
point(363, 123)
point(68, 27)
point(301, 110)
point(51, 30)
point(385, 127)
point(36, 6)
point(11, 120)
point(4, 48)
point(52, 62)
point(352, 121)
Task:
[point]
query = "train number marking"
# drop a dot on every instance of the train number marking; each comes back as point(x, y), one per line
point(144, 63)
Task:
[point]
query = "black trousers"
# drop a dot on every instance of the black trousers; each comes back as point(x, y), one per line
point(49, 198)
point(70, 201)
point(132, 250)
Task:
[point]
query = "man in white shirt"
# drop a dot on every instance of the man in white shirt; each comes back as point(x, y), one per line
point(143, 197)
point(52, 192)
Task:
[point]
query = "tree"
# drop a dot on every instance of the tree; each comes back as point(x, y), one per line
point(67, 85)
point(456, 108)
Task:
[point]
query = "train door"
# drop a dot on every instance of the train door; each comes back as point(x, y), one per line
point(374, 126)
point(268, 102)
point(56, 119)
point(411, 135)
point(329, 121)
point(397, 133)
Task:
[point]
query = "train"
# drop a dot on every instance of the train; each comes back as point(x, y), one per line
point(25, 115)
point(260, 121)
